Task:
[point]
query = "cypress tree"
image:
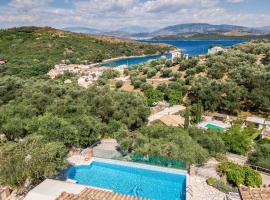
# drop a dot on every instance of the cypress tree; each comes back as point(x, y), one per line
point(187, 119)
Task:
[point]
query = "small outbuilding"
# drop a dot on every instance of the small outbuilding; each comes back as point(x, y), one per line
point(258, 122)
point(215, 50)
point(172, 120)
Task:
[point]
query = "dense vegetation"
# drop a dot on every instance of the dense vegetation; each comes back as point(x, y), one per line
point(41, 118)
point(166, 141)
point(239, 175)
point(70, 114)
point(30, 160)
point(32, 51)
point(261, 155)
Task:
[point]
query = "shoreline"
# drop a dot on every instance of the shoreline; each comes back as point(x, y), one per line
point(127, 57)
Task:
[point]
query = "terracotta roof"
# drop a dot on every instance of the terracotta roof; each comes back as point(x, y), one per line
point(172, 120)
point(248, 193)
point(95, 194)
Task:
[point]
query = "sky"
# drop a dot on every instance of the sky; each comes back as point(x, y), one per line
point(147, 14)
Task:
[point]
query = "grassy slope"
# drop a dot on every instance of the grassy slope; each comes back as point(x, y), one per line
point(32, 51)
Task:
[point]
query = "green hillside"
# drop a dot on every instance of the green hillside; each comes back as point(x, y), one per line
point(32, 51)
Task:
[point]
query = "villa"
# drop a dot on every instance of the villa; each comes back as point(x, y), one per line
point(176, 54)
point(171, 120)
point(215, 50)
point(216, 121)
point(167, 111)
point(258, 122)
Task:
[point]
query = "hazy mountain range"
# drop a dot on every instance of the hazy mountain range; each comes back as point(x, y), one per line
point(176, 30)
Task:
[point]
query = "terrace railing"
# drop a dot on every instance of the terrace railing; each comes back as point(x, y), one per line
point(158, 161)
point(260, 169)
point(141, 158)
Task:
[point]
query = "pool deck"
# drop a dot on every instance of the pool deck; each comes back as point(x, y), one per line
point(208, 120)
point(198, 189)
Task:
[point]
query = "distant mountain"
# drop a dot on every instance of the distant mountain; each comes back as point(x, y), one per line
point(265, 28)
point(212, 36)
point(135, 29)
point(200, 28)
point(84, 30)
point(177, 31)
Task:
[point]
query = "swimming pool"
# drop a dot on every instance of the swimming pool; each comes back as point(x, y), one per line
point(135, 181)
point(215, 127)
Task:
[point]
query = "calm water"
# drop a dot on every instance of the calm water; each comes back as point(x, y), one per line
point(192, 47)
point(196, 47)
point(131, 181)
point(135, 60)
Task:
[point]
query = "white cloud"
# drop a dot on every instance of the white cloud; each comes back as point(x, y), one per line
point(114, 14)
point(235, 1)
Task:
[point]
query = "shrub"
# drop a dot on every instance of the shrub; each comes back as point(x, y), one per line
point(110, 74)
point(174, 97)
point(119, 84)
point(157, 67)
point(32, 159)
point(168, 63)
point(166, 73)
point(126, 72)
point(162, 87)
point(153, 96)
point(146, 86)
point(240, 175)
point(101, 81)
point(143, 79)
point(137, 83)
point(261, 155)
point(219, 185)
point(151, 72)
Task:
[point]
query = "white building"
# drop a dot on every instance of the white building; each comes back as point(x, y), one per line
point(176, 54)
point(215, 50)
point(258, 122)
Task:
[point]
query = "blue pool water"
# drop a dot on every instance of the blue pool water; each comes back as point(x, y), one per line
point(134, 60)
point(131, 181)
point(196, 47)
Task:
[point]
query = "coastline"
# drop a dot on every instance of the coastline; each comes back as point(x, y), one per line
point(127, 57)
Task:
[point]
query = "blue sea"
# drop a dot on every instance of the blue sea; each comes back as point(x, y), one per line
point(133, 181)
point(190, 47)
point(134, 60)
point(196, 47)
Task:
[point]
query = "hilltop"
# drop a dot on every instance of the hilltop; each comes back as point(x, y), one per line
point(32, 51)
point(193, 31)
point(201, 28)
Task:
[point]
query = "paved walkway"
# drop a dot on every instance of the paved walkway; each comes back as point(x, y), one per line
point(238, 159)
point(108, 148)
point(198, 189)
point(167, 111)
point(209, 169)
point(266, 179)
